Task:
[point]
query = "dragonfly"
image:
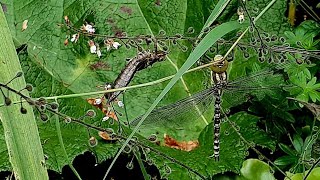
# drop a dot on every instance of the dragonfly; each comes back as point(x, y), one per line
point(185, 111)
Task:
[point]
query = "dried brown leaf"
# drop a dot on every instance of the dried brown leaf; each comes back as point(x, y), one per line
point(183, 145)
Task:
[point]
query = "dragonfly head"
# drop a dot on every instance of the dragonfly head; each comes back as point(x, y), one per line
point(220, 64)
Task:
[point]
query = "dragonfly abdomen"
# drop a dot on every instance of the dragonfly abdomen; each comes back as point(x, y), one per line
point(216, 124)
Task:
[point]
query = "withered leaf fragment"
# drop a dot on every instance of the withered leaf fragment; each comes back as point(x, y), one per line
point(100, 106)
point(24, 25)
point(104, 135)
point(183, 145)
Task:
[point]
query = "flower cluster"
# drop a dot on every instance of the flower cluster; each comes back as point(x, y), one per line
point(88, 28)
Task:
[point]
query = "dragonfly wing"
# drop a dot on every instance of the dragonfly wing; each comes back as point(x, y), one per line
point(180, 116)
point(260, 84)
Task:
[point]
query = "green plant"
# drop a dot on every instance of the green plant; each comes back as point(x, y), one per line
point(69, 49)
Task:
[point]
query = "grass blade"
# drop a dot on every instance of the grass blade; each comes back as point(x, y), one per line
point(21, 132)
point(221, 5)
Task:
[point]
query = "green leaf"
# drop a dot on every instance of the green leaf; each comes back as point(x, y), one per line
point(254, 169)
point(56, 69)
point(304, 34)
point(298, 71)
point(297, 143)
point(286, 160)
point(219, 7)
point(314, 175)
point(287, 149)
point(272, 21)
point(4, 157)
point(309, 89)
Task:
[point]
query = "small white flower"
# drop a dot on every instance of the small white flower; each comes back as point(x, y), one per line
point(120, 104)
point(89, 28)
point(241, 19)
point(93, 47)
point(111, 43)
point(75, 38)
point(108, 47)
point(98, 101)
point(116, 45)
point(105, 118)
point(107, 86)
point(98, 52)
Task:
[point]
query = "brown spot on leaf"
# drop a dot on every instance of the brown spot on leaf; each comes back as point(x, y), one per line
point(110, 21)
point(112, 115)
point(102, 107)
point(100, 65)
point(126, 10)
point(183, 145)
point(115, 29)
point(158, 2)
point(66, 42)
point(118, 32)
point(4, 7)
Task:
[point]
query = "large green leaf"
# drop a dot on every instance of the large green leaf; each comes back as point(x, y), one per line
point(253, 169)
point(273, 21)
point(56, 69)
point(49, 65)
point(314, 174)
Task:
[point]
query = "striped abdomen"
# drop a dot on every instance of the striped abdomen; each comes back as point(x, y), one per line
point(216, 124)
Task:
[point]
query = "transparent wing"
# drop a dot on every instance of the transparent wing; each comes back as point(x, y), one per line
point(177, 114)
point(259, 84)
point(186, 111)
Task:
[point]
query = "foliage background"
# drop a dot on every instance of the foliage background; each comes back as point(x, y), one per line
point(54, 70)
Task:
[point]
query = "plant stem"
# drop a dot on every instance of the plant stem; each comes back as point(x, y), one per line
point(63, 148)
